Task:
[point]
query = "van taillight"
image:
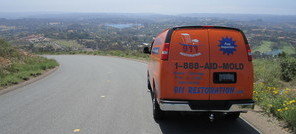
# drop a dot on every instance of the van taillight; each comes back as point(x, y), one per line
point(208, 26)
point(249, 52)
point(165, 51)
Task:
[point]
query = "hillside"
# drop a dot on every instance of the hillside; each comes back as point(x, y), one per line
point(17, 65)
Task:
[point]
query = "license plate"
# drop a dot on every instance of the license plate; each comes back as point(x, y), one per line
point(224, 77)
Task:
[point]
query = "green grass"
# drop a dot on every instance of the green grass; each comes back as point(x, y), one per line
point(268, 71)
point(24, 70)
point(264, 47)
point(287, 48)
point(267, 46)
point(21, 67)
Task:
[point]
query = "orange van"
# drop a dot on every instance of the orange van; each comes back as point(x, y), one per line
point(201, 69)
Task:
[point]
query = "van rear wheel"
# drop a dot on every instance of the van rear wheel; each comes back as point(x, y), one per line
point(148, 84)
point(158, 114)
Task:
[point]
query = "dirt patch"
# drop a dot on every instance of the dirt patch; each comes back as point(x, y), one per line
point(27, 53)
point(4, 62)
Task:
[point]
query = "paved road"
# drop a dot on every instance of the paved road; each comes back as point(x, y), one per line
point(96, 95)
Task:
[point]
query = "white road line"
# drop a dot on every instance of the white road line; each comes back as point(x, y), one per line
point(251, 125)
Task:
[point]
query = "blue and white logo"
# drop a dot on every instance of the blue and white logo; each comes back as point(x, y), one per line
point(227, 45)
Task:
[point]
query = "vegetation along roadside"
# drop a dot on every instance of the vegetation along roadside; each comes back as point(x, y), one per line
point(274, 89)
point(17, 65)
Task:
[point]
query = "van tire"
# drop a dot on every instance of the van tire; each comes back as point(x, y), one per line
point(149, 84)
point(158, 114)
point(232, 116)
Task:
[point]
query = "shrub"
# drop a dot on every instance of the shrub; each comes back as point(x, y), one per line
point(7, 51)
point(267, 71)
point(288, 68)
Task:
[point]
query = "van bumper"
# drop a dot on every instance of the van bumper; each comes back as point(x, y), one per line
point(207, 105)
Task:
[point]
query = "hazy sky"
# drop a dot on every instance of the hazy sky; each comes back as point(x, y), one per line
point(283, 7)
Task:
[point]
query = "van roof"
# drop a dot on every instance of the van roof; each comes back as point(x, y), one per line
point(171, 30)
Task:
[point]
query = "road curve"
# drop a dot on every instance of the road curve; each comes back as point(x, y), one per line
point(96, 95)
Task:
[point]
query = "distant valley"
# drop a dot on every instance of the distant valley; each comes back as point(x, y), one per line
point(268, 35)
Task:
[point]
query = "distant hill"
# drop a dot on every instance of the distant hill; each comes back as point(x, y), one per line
point(236, 17)
point(43, 32)
point(246, 17)
point(68, 15)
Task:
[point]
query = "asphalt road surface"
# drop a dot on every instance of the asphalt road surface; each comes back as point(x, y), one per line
point(97, 95)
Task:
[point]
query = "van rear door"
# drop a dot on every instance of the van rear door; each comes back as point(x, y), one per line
point(233, 77)
point(186, 73)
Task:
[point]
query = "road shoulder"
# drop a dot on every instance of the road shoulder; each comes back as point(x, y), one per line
point(267, 124)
